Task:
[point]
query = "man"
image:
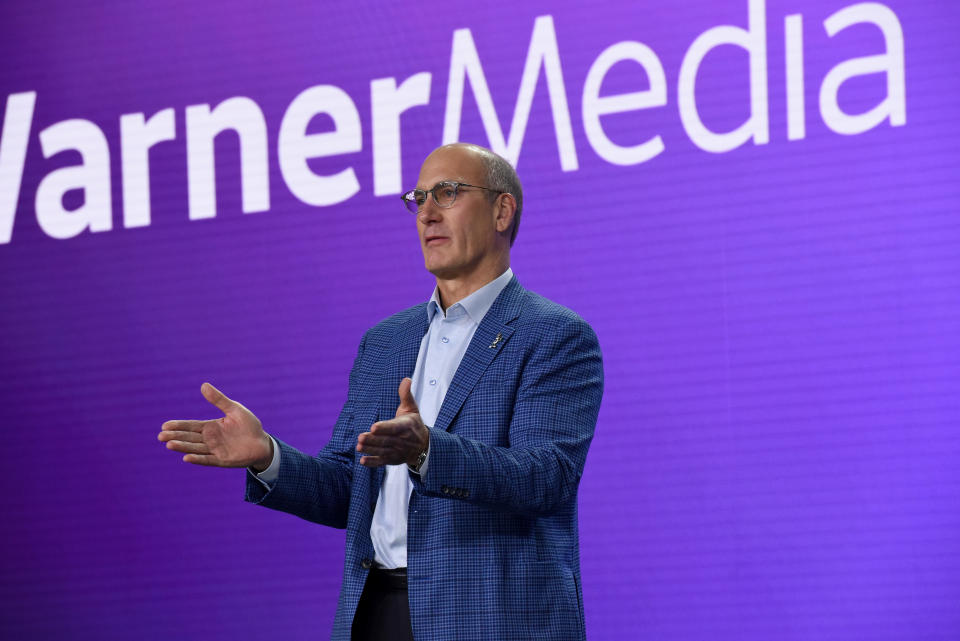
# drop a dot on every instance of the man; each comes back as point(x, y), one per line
point(460, 503)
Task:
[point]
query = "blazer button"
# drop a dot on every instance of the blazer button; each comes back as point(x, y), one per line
point(445, 489)
point(466, 494)
point(366, 564)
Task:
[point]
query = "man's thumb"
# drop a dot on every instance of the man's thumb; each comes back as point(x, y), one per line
point(216, 397)
point(407, 403)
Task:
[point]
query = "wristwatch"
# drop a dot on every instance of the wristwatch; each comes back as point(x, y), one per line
point(420, 460)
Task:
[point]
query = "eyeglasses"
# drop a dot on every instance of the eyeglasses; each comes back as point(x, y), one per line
point(444, 194)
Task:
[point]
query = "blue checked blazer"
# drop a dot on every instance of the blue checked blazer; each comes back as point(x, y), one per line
point(492, 546)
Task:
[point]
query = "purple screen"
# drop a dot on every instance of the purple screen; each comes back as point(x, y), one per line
point(755, 204)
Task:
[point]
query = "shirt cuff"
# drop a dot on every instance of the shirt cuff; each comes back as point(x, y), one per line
point(272, 473)
point(426, 461)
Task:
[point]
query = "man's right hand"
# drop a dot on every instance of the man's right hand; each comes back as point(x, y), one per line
point(236, 440)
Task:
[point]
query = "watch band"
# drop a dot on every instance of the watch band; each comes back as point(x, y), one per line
point(420, 460)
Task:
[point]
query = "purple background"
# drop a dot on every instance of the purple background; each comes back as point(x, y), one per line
point(777, 451)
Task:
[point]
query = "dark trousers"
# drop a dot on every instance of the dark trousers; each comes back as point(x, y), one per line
point(383, 613)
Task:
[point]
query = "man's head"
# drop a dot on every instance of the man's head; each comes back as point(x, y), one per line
point(471, 238)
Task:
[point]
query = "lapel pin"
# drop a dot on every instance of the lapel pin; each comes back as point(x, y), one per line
point(496, 341)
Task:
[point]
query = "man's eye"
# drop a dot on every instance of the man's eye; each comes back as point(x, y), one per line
point(420, 197)
point(447, 191)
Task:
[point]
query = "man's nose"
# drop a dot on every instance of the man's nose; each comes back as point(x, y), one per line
point(429, 211)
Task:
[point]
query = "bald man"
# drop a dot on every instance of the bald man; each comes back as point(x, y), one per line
point(455, 461)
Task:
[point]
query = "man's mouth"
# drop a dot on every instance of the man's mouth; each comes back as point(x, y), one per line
point(434, 240)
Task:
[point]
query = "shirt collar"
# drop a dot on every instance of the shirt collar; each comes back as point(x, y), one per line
point(477, 304)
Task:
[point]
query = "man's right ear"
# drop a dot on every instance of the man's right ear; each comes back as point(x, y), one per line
point(506, 208)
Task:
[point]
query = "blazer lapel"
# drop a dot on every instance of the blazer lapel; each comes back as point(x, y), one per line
point(407, 346)
point(492, 334)
point(401, 362)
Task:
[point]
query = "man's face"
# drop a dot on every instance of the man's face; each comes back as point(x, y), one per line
point(458, 241)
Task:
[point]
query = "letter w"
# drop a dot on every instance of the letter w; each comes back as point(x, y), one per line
point(464, 62)
point(13, 151)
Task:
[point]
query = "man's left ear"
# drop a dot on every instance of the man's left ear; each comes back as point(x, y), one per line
point(506, 207)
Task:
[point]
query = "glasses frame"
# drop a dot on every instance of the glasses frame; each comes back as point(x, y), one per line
point(411, 196)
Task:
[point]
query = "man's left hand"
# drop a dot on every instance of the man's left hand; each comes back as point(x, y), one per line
point(399, 440)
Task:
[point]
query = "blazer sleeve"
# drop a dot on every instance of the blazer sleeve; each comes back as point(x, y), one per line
point(317, 488)
point(553, 420)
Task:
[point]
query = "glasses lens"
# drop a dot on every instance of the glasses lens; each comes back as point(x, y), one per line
point(413, 199)
point(445, 193)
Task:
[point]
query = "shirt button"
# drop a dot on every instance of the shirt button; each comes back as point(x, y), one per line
point(444, 340)
point(433, 381)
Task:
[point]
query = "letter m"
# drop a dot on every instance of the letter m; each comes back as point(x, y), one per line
point(465, 63)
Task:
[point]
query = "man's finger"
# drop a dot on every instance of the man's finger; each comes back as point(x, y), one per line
point(374, 450)
point(188, 426)
point(379, 440)
point(392, 427)
point(408, 405)
point(368, 440)
point(216, 397)
point(188, 448)
point(379, 446)
point(202, 459)
point(179, 435)
point(372, 461)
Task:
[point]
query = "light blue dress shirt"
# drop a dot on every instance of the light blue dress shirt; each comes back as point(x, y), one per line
point(448, 335)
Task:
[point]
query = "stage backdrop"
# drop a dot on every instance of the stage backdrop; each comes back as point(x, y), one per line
point(755, 204)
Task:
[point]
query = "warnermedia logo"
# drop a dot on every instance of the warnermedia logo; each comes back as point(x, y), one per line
point(390, 99)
